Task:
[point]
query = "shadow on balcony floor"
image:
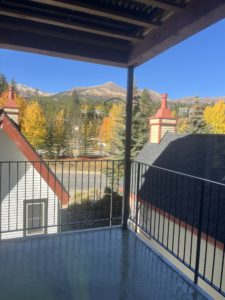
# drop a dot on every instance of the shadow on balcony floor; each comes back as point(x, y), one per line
point(101, 264)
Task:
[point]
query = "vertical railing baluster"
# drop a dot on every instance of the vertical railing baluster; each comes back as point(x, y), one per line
point(199, 236)
point(207, 230)
point(17, 195)
point(1, 200)
point(175, 206)
point(216, 233)
point(223, 257)
point(193, 220)
point(9, 196)
point(137, 197)
point(186, 220)
point(62, 183)
point(111, 199)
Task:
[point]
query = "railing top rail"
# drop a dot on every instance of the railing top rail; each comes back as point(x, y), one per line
point(180, 173)
point(61, 161)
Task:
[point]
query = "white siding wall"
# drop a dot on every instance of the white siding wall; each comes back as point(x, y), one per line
point(19, 182)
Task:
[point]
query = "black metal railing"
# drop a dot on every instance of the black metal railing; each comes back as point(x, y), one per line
point(183, 214)
point(51, 196)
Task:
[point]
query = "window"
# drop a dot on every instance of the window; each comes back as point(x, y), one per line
point(35, 217)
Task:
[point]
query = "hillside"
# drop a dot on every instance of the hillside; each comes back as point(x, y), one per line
point(103, 92)
point(29, 92)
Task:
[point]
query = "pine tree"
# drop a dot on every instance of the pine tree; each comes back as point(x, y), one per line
point(60, 132)
point(50, 140)
point(86, 137)
point(89, 130)
point(143, 109)
point(3, 83)
point(196, 122)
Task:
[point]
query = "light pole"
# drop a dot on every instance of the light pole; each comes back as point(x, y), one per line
point(76, 128)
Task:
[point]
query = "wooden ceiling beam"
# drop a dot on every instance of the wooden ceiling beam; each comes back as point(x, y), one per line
point(71, 36)
point(99, 12)
point(53, 45)
point(198, 15)
point(64, 24)
point(161, 4)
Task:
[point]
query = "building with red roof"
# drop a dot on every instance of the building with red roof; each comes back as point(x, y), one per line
point(30, 193)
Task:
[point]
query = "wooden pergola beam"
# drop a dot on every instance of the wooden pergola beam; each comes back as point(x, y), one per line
point(161, 4)
point(98, 12)
point(66, 24)
point(63, 35)
point(24, 40)
point(197, 16)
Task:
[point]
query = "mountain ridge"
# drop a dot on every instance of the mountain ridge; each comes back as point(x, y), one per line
point(105, 91)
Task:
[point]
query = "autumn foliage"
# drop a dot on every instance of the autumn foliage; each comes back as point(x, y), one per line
point(215, 117)
point(33, 125)
point(111, 125)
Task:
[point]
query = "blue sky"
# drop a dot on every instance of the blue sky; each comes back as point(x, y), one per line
point(195, 67)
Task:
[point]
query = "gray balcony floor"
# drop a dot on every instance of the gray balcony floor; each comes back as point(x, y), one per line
point(101, 264)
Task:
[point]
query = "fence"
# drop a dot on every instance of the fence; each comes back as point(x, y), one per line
point(52, 196)
point(185, 215)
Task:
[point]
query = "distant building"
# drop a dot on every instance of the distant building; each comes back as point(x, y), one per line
point(30, 194)
point(201, 155)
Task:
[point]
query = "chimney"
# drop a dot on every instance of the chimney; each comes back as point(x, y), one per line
point(11, 108)
point(162, 122)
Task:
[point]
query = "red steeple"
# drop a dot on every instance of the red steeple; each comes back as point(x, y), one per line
point(164, 111)
point(11, 103)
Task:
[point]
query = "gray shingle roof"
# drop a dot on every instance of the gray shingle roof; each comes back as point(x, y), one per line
point(201, 155)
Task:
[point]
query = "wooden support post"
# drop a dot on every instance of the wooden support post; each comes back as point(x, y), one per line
point(127, 158)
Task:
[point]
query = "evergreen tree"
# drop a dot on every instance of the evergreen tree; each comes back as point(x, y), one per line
point(89, 130)
point(3, 83)
point(143, 109)
point(86, 137)
point(13, 83)
point(60, 132)
point(196, 122)
point(73, 117)
point(50, 140)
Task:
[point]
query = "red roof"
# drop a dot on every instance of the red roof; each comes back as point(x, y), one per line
point(12, 131)
point(164, 112)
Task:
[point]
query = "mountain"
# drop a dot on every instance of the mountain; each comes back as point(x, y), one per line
point(202, 100)
point(103, 92)
point(29, 92)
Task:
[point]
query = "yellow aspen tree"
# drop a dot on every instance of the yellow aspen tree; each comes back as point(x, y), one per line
point(214, 116)
point(33, 125)
point(104, 131)
point(116, 125)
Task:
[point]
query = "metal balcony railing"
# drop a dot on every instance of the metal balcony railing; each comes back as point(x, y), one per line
point(183, 214)
point(52, 196)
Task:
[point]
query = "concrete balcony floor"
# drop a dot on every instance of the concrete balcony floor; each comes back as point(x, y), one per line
point(100, 264)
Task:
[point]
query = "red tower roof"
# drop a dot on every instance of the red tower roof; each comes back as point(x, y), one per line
point(164, 111)
point(11, 103)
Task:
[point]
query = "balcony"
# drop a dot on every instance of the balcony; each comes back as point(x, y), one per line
point(97, 264)
point(61, 232)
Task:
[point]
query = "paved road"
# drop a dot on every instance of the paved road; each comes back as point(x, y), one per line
point(83, 182)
